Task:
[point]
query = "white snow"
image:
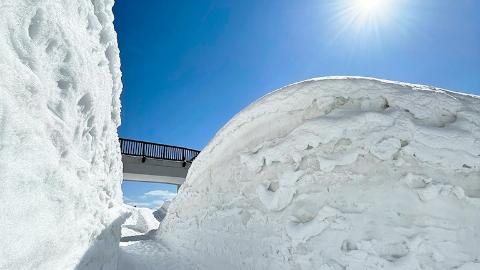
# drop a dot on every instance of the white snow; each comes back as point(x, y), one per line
point(331, 173)
point(60, 167)
point(140, 220)
point(140, 225)
point(161, 212)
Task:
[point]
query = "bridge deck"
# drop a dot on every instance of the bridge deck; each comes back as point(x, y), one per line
point(153, 162)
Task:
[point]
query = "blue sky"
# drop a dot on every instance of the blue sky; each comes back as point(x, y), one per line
point(189, 66)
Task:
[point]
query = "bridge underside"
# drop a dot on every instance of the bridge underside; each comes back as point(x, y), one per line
point(154, 170)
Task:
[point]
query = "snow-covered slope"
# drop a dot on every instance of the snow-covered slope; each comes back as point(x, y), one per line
point(334, 173)
point(60, 168)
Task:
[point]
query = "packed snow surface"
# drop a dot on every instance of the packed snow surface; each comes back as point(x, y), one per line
point(60, 166)
point(331, 173)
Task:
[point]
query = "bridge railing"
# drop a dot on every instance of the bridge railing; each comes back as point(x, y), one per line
point(157, 151)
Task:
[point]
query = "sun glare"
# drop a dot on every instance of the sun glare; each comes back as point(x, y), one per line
point(365, 24)
point(370, 7)
point(364, 16)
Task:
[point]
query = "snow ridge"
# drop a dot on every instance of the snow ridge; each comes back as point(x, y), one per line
point(335, 173)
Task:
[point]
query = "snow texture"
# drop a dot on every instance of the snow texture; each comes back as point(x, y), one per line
point(140, 225)
point(140, 220)
point(161, 212)
point(331, 173)
point(60, 165)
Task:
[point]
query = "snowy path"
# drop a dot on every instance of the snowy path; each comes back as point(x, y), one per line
point(140, 250)
point(153, 255)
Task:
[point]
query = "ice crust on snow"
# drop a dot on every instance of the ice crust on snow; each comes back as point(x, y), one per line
point(60, 166)
point(331, 173)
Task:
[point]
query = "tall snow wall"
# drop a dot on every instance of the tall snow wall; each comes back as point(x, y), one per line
point(60, 166)
point(336, 173)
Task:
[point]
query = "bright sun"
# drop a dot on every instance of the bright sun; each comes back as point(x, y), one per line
point(365, 15)
point(365, 20)
point(370, 7)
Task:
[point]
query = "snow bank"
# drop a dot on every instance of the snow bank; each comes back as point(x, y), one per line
point(141, 225)
point(334, 173)
point(140, 221)
point(60, 167)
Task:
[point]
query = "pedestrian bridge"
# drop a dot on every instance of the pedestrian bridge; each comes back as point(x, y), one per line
point(153, 162)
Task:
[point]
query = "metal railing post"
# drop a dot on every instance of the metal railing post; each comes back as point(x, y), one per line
point(144, 158)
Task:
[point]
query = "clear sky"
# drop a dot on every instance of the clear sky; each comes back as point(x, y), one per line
point(188, 66)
